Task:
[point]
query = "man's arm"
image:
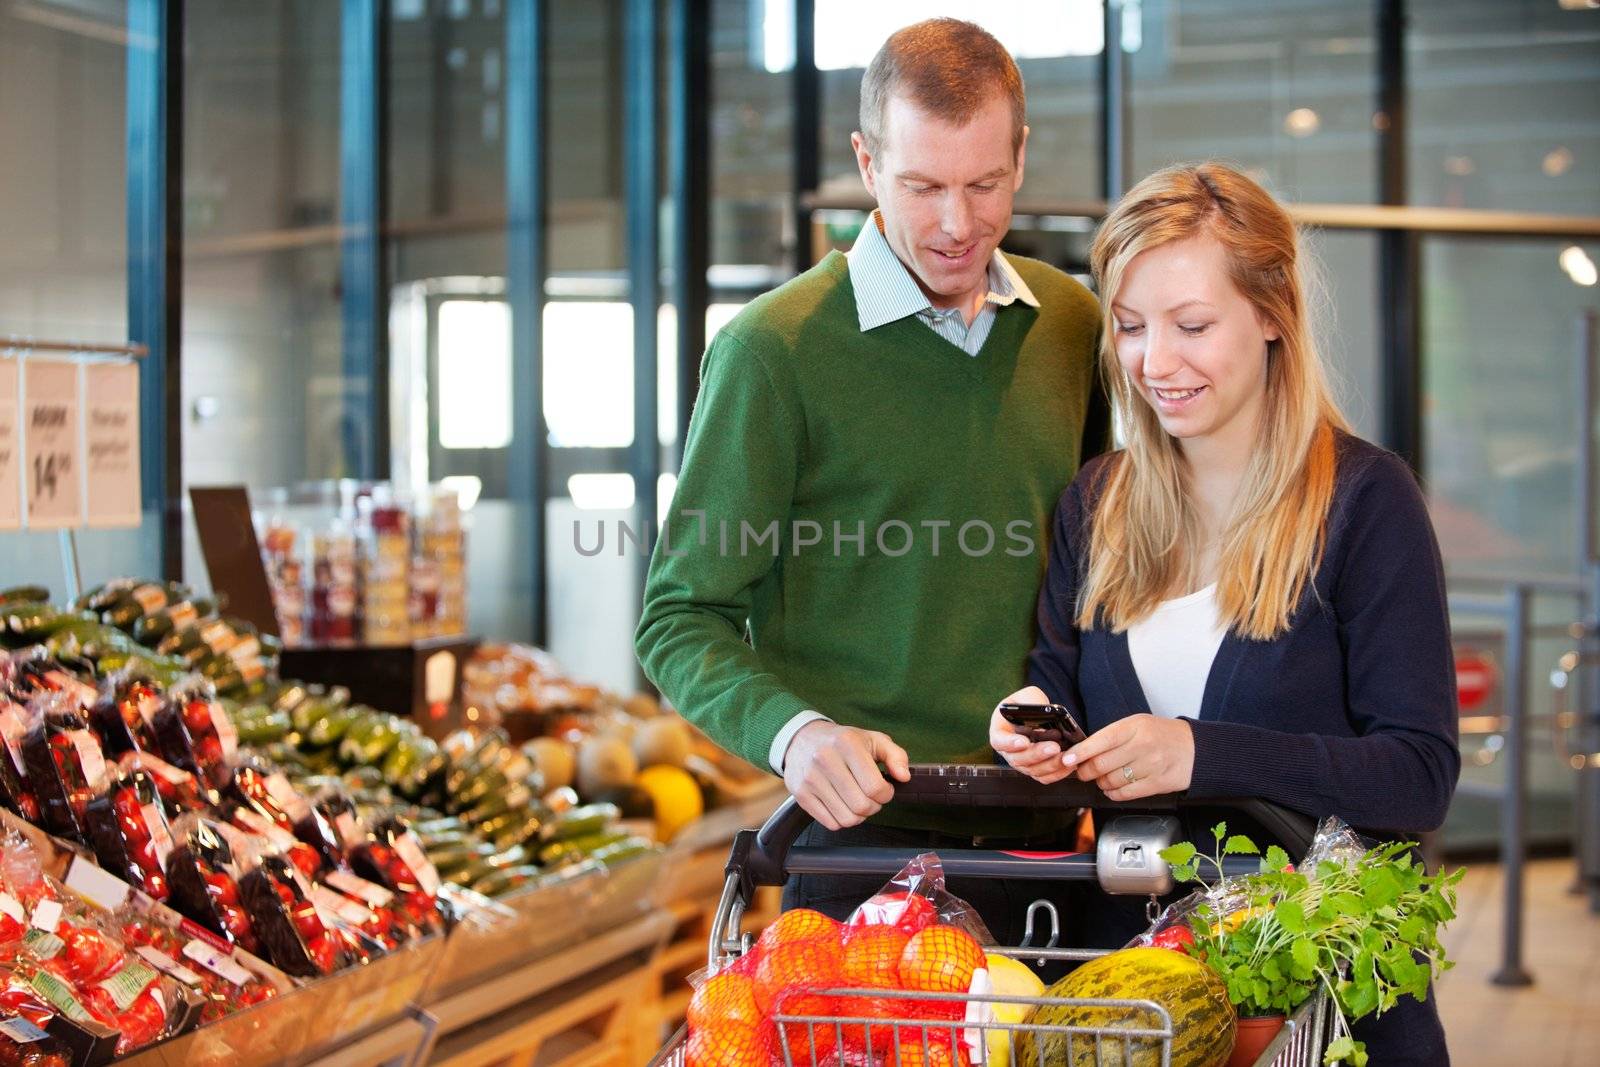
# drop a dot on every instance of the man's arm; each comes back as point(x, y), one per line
point(741, 461)
point(740, 467)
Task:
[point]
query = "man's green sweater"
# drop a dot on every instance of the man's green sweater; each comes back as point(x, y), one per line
point(872, 509)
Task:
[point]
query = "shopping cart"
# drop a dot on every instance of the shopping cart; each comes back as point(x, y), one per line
point(1124, 862)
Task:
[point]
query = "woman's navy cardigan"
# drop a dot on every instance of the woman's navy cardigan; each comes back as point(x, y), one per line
point(1351, 712)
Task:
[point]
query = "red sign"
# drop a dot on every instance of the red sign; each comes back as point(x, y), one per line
point(1476, 678)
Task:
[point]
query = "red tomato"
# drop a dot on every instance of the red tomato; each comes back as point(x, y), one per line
point(126, 803)
point(156, 886)
point(221, 887)
point(134, 830)
point(237, 923)
point(323, 952)
point(196, 715)
point(10, 930)
point(285, 893)
point(89, 954)
point(306, 923)
point(305, 857)
point(1174, 937)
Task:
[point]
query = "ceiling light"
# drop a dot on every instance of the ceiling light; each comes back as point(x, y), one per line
point(1460, 166)
point(1579, 267)
point(1557, 161)
point(1580, 5)
point(1301, 122)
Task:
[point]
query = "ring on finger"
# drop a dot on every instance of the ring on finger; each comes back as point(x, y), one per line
point(1127, 774)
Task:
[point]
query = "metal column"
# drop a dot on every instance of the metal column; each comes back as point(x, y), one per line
point(806, 86)
point(154, 122)
point(1514, 817)
point(526, 266)
point(1113, 107)
point(1587, 847)
point(689, 163)
point(1399, 289)
point(363, 306)
point(641, 155)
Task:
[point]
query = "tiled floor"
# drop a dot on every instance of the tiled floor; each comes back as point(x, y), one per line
point(1553, 1023)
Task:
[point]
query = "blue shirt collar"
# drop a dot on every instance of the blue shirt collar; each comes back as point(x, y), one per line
point(886, 292)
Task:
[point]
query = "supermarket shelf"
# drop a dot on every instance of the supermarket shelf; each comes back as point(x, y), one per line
point(395, 1045)
point(631, 945)
point(592, 1019)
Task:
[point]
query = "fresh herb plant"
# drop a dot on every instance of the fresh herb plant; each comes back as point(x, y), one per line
point(1366, 931)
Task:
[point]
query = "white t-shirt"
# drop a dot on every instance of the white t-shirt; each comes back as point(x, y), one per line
point(1172, 649)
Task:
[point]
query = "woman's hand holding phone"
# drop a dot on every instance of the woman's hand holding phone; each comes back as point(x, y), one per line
point(1040, 760)
point(1135, 757)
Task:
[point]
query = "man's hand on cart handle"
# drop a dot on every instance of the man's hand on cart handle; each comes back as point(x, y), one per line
point(1136, 757)
point(832, 771)
point(1039, 760)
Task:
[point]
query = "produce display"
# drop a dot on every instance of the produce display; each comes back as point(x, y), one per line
point(267, 833)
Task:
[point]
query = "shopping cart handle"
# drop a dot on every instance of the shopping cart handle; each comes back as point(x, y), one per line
point(762, 857)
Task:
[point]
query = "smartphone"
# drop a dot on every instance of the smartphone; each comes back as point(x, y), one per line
point(1044, 722)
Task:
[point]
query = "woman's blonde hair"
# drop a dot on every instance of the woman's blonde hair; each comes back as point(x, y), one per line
point(1145, 541)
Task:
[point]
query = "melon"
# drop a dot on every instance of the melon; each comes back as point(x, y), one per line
point(662, 741)
point(1203, 1021)
point(555, 759)
point(605, 763)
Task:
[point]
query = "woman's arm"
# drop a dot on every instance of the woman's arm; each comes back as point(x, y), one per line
point(1053, 663)
point(1388, 597)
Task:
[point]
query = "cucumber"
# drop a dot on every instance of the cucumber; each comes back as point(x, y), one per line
point(621, 851)
point(503, 881)
point(445, 825)
point(588, 844)
point(576, 822)
point(515, 856)
point(29, 594)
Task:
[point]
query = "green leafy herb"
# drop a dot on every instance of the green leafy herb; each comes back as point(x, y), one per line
point(1366, 932)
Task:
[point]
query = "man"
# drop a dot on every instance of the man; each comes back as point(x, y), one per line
point(869, 474)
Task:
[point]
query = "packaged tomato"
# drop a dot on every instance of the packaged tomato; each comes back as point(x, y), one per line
point(214, 979)
point(16, 794)
point(180, 791)
point(64, 762)
point(203, 878)
point(127, 828)
point(393, 857)
point(296, 936)
point(266, 802)
point(194, 732)
point(123, 714)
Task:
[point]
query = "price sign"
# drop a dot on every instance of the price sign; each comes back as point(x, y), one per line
point(10, 464)
point(111, 443)
point(51, 467)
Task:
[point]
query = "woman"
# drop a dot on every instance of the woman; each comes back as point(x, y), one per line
point(1247, 600)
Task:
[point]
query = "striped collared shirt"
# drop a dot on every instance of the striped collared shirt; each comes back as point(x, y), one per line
point(886, 292)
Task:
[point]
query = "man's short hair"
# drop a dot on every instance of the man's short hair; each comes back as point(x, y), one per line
point(945, 66)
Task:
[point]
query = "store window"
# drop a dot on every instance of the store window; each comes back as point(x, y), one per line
point(1284, 90)
point(1503, 104)
point(63, 227)
point(1501, 408)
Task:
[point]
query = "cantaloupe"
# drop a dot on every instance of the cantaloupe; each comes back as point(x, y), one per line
point(1203, 1021)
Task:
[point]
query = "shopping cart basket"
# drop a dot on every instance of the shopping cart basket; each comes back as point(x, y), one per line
point(1125, 862)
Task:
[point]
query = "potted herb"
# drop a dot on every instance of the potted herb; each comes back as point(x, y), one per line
point(1365, 931)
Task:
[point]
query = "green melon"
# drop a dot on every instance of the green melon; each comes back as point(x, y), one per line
point(1203, 1022)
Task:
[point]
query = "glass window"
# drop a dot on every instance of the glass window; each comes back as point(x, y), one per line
point(751, 137)
point(1285, 90)
point(1343, 288)
point(474, 374)
point(1505, 105)
point(1501, 418)
point(63, 217)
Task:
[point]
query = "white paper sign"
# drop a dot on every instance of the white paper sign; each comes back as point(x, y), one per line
point(10, 454)
point(51, 467)
point(111, 443)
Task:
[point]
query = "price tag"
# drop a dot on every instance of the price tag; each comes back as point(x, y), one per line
point(11, 907)
point(43, 945)
point(372, 894)
point(218, 963)
point(59, 994)
point(90, 758)
point(160, 837)
point(167, 965)
point(125, 986)
point(349, 832)
point(50, 460)
point(406, 845)
point(22, 1031)
point(333, 903)
point(10, 461)
point(292, 803)
point(280, 838)
point(12, 730)
point(111, 443)
point(95, 884)
point(227, 735)
point(47, 915)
